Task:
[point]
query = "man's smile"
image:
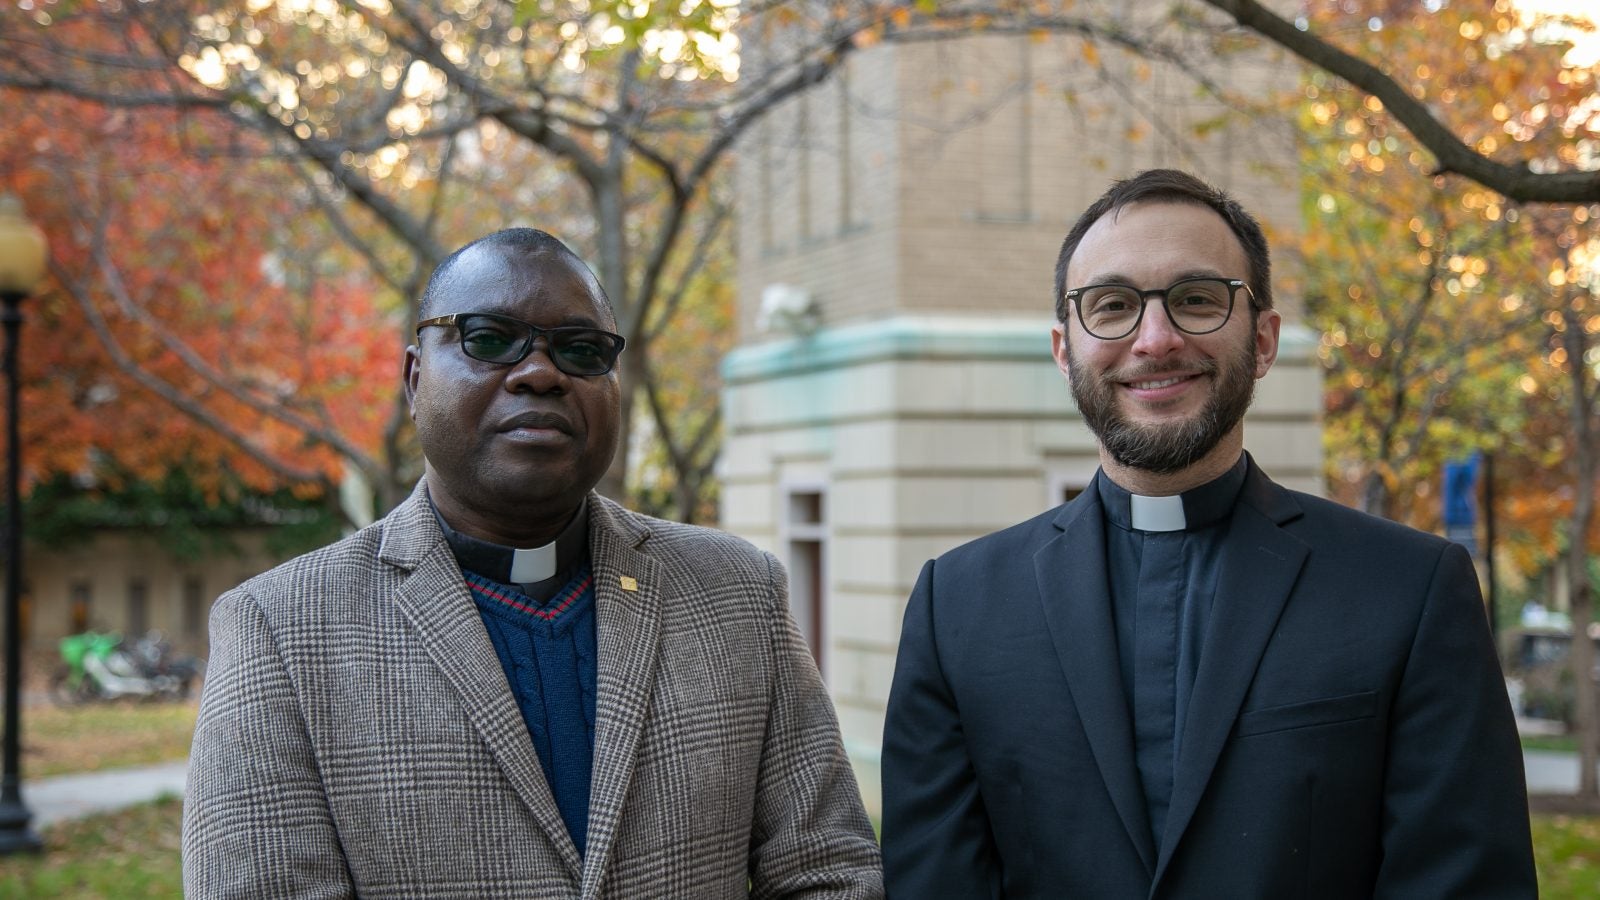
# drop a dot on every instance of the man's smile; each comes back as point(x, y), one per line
point(1159, 383)
point(1160, 387)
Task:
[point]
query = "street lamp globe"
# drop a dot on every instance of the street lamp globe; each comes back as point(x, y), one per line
point(22, 249)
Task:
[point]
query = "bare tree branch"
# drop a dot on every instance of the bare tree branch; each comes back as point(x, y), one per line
point(1517, 182)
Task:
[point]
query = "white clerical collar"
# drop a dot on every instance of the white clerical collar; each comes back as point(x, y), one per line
point(531, 569)
point(534, 564)
point(1157, 513)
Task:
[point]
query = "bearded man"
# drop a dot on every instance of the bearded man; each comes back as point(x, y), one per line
point(1189, 681)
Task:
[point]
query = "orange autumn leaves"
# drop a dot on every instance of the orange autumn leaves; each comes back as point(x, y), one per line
point(195, 318)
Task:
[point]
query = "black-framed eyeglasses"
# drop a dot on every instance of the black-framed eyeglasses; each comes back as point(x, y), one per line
point(1194, 306)
point(505, 341)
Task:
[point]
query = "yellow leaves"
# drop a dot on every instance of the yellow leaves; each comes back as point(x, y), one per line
point(1471, 29)
point(1091, 54)
point(901, 17)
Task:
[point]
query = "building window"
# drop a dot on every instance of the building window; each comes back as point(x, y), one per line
point(1063, 485)
point(78, 595)
point(806, 521)
point(194, 606)
point(138, 603)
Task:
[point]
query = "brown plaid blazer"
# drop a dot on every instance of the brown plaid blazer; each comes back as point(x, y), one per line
point(357, 735)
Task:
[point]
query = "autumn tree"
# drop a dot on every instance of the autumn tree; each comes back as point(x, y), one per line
point(403, 116)
point(1566, 247)
point(1449, 309)
point(176, 290)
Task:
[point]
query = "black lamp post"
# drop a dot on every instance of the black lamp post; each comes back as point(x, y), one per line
point(22, 263)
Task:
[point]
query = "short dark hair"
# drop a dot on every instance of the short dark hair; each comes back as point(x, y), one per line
point(528, 241)
point(1173, 186)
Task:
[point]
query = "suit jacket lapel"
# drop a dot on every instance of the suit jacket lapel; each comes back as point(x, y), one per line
point(1071, 574)
point(1259, 566)
point(436, 602)
point(628, 598)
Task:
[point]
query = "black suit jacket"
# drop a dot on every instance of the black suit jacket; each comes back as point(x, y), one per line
point(1349, 734)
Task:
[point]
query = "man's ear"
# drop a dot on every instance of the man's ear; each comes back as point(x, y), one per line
point(1059, 348)
point(1268, 322)
point(411, 369)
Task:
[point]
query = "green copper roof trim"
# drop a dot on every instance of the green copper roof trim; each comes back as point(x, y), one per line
point(899, 338)
point(919, 338)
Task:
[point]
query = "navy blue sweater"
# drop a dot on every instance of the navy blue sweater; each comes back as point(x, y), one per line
point(548, 653)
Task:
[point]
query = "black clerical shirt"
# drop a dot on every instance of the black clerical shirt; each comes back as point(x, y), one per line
point(1162, 587)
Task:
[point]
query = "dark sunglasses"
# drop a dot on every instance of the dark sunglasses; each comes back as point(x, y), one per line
point(504, 341)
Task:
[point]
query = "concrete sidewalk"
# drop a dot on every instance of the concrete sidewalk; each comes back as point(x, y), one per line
point(73, 796)
point(1551, 772)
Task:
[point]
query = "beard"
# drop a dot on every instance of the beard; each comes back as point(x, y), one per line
point(1168, 447)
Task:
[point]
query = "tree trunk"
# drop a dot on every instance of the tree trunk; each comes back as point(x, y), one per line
point(1375, 496)
point(1581, 657)
point(610, 209)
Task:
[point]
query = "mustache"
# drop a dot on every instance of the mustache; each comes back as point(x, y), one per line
point(1152, 371)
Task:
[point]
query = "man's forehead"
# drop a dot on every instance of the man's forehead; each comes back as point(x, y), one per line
point(1190, 236)
point(508, 276)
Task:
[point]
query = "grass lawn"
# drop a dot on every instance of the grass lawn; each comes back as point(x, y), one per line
point(132, 853)
point(1567, 850)
point(57, 740)
point(1564, 743)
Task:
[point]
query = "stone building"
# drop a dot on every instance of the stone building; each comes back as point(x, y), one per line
point(127, 581)
point(893, 394)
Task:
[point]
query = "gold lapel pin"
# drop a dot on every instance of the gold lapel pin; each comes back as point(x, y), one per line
point(629, 583)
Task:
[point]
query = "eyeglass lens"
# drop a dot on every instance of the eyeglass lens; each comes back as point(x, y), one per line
point(575, 351)
point(1196, 305)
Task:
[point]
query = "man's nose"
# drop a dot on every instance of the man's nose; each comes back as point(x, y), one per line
point(537, 371)
point(1156, 335)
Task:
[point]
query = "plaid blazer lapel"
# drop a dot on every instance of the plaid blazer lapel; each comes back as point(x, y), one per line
point(628, 599)
point(436, 602)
